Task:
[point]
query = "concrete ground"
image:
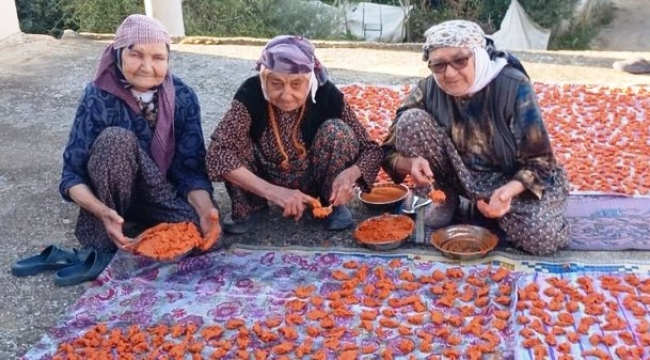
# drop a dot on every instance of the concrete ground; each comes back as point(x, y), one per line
point(40, 84)
point(628, 29)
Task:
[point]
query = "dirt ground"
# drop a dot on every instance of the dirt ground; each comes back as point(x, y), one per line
point(629, 29)
point(41, 81)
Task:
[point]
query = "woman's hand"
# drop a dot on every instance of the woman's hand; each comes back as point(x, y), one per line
point(421, 173)
point(500, 200)
point(292, 201)
point(211, 229)
point(343, 186)
point(210, 222)
point(84, 197)
point(113, 225)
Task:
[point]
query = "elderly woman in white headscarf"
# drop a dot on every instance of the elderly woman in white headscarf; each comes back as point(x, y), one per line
point(474, 127)
point(288, 137)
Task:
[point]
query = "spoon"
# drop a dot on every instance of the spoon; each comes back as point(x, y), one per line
point(410, 205)
point(419, 220)
point(424, 203)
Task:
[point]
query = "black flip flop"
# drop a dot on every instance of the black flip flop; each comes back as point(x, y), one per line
point(87, 270)
point(52, 258)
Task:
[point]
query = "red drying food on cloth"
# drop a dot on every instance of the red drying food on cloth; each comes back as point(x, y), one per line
point(611, 156)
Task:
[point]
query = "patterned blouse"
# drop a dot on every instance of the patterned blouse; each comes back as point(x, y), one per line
point(471, 132)
point(232, 145)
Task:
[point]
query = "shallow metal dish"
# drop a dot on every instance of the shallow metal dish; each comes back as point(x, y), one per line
point(366, 198)
point(464, 242)
point(389, 244)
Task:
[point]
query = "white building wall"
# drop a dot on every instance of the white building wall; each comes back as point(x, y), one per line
point(8, 19)
point(169, 13)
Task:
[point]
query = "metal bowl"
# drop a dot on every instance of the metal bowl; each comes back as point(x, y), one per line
point(367, 198)
point(464, 242)
point(388, 244)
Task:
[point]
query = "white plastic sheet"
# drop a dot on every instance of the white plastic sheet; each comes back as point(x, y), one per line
point(519, 32)
point(382, 23)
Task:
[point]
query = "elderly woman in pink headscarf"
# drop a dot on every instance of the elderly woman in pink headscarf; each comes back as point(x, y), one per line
point(136, 151)
point(475, 128)
point(290, 136)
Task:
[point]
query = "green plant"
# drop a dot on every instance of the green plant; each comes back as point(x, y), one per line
point(101, 16)
point(43, 17)
point(267, 18)
point(226, 17)
point(584, 28)
point(306, 18)
point(487, 13)
point(549, 13)
point(575, 38)
point(260, 18)
point(490, 13)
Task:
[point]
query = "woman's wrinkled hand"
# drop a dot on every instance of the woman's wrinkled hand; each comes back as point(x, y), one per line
point(211, 229)
point(292, 201)
point(209, 221)
point(421, 173)
point(113, 224)
point(500, 200)
point(343, 187)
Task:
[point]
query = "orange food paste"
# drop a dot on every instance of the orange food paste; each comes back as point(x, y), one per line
point(383, 194)
point(319, 211)
point(167, 241)
point(437, 196)
point(384, 228)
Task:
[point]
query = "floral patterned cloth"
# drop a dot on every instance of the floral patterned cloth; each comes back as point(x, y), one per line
point(213, 288)
point(255, 285)
point(608, 223)
point(614, 300)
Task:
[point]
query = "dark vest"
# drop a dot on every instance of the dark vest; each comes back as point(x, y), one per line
point(329, 105)
point(501, 94)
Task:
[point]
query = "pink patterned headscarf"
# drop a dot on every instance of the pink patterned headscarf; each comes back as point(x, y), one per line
point(139, 29)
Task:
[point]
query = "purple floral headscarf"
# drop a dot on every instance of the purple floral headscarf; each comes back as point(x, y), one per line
point(290, 54)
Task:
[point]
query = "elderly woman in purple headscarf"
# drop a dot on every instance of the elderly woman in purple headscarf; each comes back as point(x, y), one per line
point(475, 128)
point(136, 151)
point(288, 136)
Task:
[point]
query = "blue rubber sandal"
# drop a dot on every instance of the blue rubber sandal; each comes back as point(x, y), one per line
point(87, 270)
point(52, 258)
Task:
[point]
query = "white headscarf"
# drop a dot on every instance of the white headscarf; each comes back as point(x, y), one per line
point(465, 34)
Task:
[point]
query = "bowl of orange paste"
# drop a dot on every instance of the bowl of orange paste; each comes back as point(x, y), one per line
point(383, 196)
point(384, 232)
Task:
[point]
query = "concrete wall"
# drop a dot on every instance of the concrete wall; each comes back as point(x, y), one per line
point(8, 19)
point(169, 13)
